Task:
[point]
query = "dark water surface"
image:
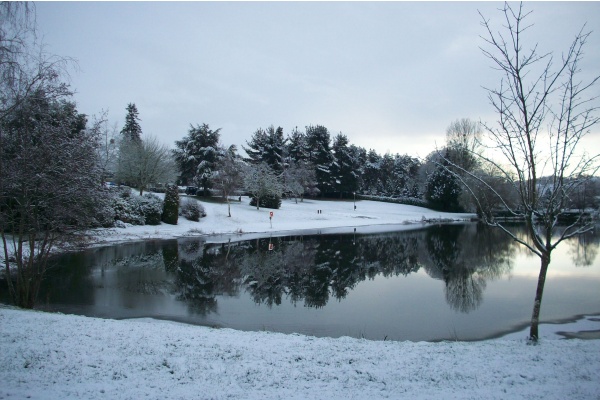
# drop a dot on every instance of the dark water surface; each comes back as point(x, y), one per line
point(464, 282)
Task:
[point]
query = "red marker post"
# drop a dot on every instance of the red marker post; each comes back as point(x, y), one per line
point(271, 219)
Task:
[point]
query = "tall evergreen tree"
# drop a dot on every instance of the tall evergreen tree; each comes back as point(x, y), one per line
point(267, 146)
point(256, 146)
point(275, 149)
point(319, 153)
point(371, 173)
point(359, 158)
point(132, 129)
point(344, 168)
point(386, 170)
point(297, 148)
point(196, 155)
point(406, 169)
point(443, 189)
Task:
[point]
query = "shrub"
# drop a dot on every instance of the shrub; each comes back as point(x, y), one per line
point(170, 211)
point(132, 209)
point(267, 201)
point(150, 206)
point(191, 210)
point(126, 211)
point(104, 213)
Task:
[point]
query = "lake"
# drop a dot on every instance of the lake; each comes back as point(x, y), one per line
point(443, 282)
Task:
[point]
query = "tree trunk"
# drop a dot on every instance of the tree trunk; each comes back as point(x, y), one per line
point(535, 317)
point(228, 207)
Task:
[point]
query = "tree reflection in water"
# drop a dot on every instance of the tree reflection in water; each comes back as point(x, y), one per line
point(464, 257)
point(583, 249)
point(307, 270)
point(311, 269)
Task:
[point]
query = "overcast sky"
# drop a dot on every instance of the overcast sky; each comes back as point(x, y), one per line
point(391, 76)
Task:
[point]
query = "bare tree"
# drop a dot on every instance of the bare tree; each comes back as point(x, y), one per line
point(544, 109)
point(261, 181)
point(299, 178)
point(228, 175)
point(108, 148)
point(463, 138)
point(145, 162)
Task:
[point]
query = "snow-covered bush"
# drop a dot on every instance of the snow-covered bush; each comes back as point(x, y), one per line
point(267, 201)
point(150, 206)
point(136, 210)
point(411, 201)
point(127, 211)
point(191, 210)
point(104, 216)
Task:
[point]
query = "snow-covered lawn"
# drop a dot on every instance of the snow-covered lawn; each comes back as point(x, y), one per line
point(370, 215)
point(53, 356)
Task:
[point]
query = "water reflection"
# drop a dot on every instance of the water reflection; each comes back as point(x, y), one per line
point(464, 258)
point(583, 249)
point(306, 272)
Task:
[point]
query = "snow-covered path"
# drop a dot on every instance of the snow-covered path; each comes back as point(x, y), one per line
point(53, 356)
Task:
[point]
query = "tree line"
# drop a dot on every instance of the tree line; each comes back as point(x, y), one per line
point(310, 162)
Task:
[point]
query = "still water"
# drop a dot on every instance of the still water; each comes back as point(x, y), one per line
point(465, 282)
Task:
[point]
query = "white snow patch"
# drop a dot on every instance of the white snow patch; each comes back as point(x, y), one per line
point(51, 356)
point(371, 215)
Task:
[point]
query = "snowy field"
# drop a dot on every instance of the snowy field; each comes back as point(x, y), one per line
point(55, 356)
point(369, 216)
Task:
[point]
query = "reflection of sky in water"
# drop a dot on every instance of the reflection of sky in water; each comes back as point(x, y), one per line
point(564, 261)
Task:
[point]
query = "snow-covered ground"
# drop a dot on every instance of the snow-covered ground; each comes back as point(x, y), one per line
point(52, 356)
point(368, 216)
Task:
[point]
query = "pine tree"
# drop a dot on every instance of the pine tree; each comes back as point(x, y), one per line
point(443, 190)
point(297, 148)
point(132, 130)
point(170, 212)
point(267, 146)
point(196, 155)
point(319, 153)
point(344, 168)
point(257, 146)
point(275, 149)
point(371, 173)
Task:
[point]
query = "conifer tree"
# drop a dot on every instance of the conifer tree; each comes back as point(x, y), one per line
point(296, 148)
point(319, 153)
point(170, 212)
point(196, 155)
point(443, 190)
point(132, 130)
point(267, 146)
point(344, 169)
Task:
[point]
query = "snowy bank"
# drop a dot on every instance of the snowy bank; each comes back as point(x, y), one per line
point(50, 356)
point(314, 215)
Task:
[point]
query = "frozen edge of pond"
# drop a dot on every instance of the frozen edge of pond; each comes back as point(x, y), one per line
point(586, 327)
